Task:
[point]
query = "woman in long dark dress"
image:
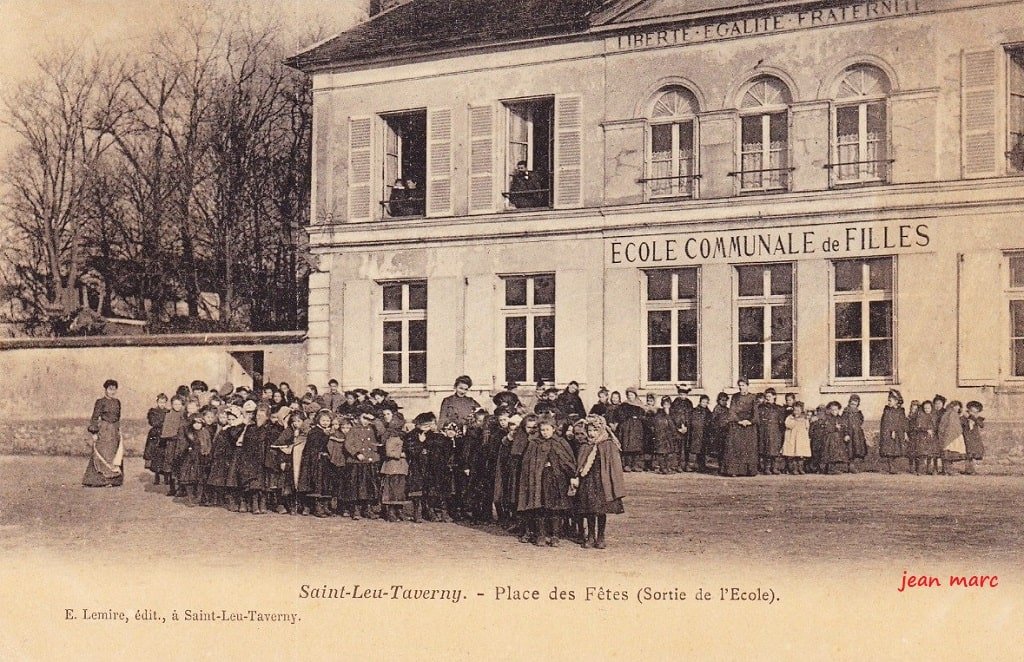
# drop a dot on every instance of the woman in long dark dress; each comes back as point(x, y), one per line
point(629, 417)
point(739, 457)
point(106, 462)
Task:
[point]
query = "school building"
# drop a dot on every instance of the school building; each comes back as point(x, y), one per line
point(823, 197)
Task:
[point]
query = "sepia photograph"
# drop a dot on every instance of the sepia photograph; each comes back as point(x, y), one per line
point(461, 329)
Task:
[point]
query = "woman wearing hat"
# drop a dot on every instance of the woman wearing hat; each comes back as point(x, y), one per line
point(629, 417)
point(105, 464)
point(892, 435)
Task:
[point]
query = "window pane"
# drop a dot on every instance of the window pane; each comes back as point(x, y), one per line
point(751, 132)
point(880, 274)
point(876, 118)
point(544, 331)
point(847, 121)
point(659, 327)
point(417, 296)
point(687, 331)
point(515, 366)
point(661, 139)
point(659, 364)
point(848, 320)
point(752, 361)
point(849, 275)
point(393, 296)
point(392, 368)
point(779, 129)
point(848, 362)
point(687, 283)
point(881, 358)
point(515, 332)
point(659, 285)
point(418, 368)
point(544, 365)
point(417, 335)
point(543, 290)
point(685, 139)
point(880, 319)
point(392, 337)
point(782, 278)
point(1017, 271)
point(782, 323)
point(782, 361)
point(515, 291)
point(1017, 318)
point(1018, 358)
point(751, 281)
point(751, 324)
point(687, 364)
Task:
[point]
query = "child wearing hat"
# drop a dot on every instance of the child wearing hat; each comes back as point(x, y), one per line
point(770, 427)
point(796, 444)
point(973, 423)
point(892, 434)
point(438, 471)
point(629, 419)
point(835, 440)
point(547, 469)
point(923, 432)
point(314, 484)
point(361, 470)
point(598, 480)
point(416, 446)
point(857, 445)
point(154, 451)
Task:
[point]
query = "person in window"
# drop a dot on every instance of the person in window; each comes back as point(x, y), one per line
point(398, 199)
point(416, 200)
point(525, 190)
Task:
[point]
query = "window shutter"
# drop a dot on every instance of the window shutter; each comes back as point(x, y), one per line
point(481, 159)
point(981, 335)
point(978, 113)
point(439, 162)
point(568, 152)
point(360, 170)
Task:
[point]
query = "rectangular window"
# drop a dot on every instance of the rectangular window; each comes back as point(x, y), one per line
point(404, 332)
point(529, 314)
point(530, 153)
point(764, 321)
point(405, 164)
point(764, 152)
point(671, 162)
point(862, 299)
point(1015, 109)
point(1015, 297)
point(861, 139)
point(673, 324)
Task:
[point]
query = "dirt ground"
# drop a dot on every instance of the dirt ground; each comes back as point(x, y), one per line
point(780, 519)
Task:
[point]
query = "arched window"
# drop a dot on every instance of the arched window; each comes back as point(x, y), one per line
point(764, 135)
point(860, 130)
point(672, 145)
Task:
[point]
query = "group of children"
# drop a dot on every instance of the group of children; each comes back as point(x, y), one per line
point(749, 434)
point(539, 474)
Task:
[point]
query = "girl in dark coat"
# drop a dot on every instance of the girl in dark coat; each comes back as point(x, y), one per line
point(482, 466)
point(314, 483)
point(602, 406)
point(253, 457)
point(629, 419)
point(548, 467)
point(892, 435)
point(154, 451)
point(923, 433)
point(739, 458)
point(598, 481)
point(438, 485)
point(221, 449)
point(835, 440)
point(277, 464)
point(362, 458)
point(700, 427)
point(393, 472)
point(172, 422)
point(569, 402)
point(857, 445)
point(912, 452)
point(681, 412)
point(719, 432)
point(770, 426)
point(665, 435)
point(504, 479)
point(416, 449)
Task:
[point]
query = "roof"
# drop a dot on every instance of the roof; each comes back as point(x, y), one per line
point(645, 10)
point(424, 26)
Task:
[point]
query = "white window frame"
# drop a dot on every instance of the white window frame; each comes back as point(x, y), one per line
point(688, 189)
point(674, 305)
point(510, 165)
point(385, 178)
point(530, 311)
point(867, 173)
point(765, 301)
point(1012, 293)
point(864, 297)
point(404, 316)
point(783, 175)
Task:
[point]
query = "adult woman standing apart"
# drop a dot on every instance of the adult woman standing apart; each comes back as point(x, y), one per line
point(105, 465)
point(739, 457)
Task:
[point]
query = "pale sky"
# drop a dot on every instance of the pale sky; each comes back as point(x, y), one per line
point(31, 27)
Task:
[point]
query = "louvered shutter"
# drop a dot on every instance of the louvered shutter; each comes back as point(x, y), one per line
point(568, 151)
point(360, 170)
point(978, 113)
point(439, 162)
point(481, 159)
